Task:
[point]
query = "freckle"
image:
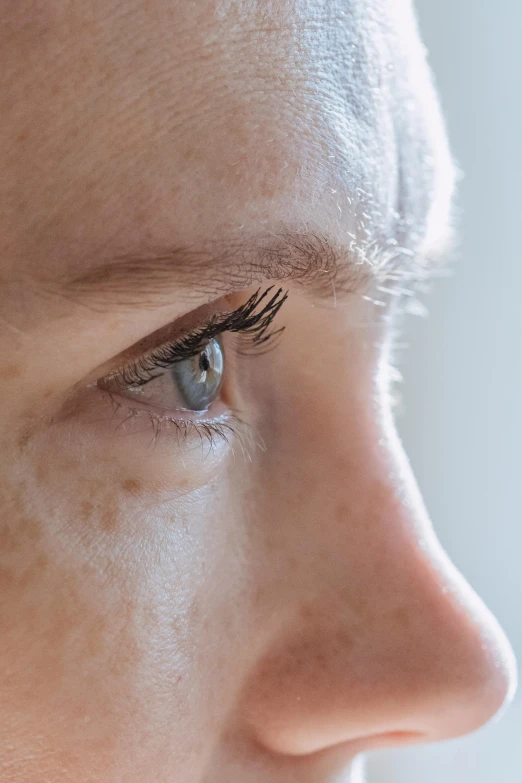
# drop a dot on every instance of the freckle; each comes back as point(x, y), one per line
point(42, 472)
point(19, 504)
point(8, 540)
point(342, 513)
point(401, 616)
point(24, 439)
point(109, 519)
point(321, 660)
point(272, 543)
point(132, 486)
point(184, 482)
point(191, 153)
point(86, 508)
point(29, 529)
point(6, 579)
point(72, 466)
point(359, 604)
point(13, 538)
point(38, 566)
point(29, 415)
point(345, 641)
point(306, 611)
point(10, 372)
point(17, 498)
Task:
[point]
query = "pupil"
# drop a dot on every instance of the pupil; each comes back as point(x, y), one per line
point(204, 363)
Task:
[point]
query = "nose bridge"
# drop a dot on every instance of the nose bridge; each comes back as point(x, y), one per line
point(382, 635)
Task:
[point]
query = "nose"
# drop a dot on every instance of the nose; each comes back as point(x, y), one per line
point(376, 638)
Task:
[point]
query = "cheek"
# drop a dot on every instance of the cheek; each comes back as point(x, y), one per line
point(111, 610)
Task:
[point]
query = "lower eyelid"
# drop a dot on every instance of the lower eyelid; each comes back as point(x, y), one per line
point(116, 417)
point(217, 410)
point(216, 431)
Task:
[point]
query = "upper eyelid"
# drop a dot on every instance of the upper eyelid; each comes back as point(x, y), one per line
point(246, 317)
point(167, 334)
point(146, 357)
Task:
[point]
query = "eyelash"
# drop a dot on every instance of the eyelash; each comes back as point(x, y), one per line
point(252, 326)
point(251, 321)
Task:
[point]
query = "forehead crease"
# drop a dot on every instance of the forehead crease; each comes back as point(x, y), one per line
point(107, 66)
point(113, 73)
point(287, 120)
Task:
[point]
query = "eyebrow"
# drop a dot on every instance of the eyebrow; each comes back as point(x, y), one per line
point(148, 277)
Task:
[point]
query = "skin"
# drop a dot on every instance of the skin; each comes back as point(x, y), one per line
point(177, 612)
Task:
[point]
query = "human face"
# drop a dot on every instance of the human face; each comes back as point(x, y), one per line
point(215, 564)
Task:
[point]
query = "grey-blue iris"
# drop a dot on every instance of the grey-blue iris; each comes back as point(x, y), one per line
point(199, 378)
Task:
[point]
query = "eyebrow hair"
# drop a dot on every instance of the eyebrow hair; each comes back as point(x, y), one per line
point(148, 277)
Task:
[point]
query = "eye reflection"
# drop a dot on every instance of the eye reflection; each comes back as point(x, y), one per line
point(199, 378)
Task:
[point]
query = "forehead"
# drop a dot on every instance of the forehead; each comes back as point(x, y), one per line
point(160, 121)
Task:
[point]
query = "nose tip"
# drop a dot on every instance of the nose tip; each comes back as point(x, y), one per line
point(481, 659)
point(450, 664)
point(499, 685)
point(467, 652)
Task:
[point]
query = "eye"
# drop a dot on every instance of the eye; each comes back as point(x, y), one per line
point(187, 376)
point(190, 384)
point(199, 378)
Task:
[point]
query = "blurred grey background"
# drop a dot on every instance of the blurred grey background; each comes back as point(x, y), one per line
point(462, 424)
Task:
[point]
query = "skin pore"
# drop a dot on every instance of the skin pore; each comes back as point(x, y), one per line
point(253, 592)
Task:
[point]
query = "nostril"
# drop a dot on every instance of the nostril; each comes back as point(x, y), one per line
point(398, 736)
point(387, 739)
point(343, 753)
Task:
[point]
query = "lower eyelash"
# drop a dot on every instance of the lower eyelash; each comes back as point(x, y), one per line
point(212, 431)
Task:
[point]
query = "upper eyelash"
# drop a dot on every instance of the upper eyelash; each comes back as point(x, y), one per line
point(247, 319)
